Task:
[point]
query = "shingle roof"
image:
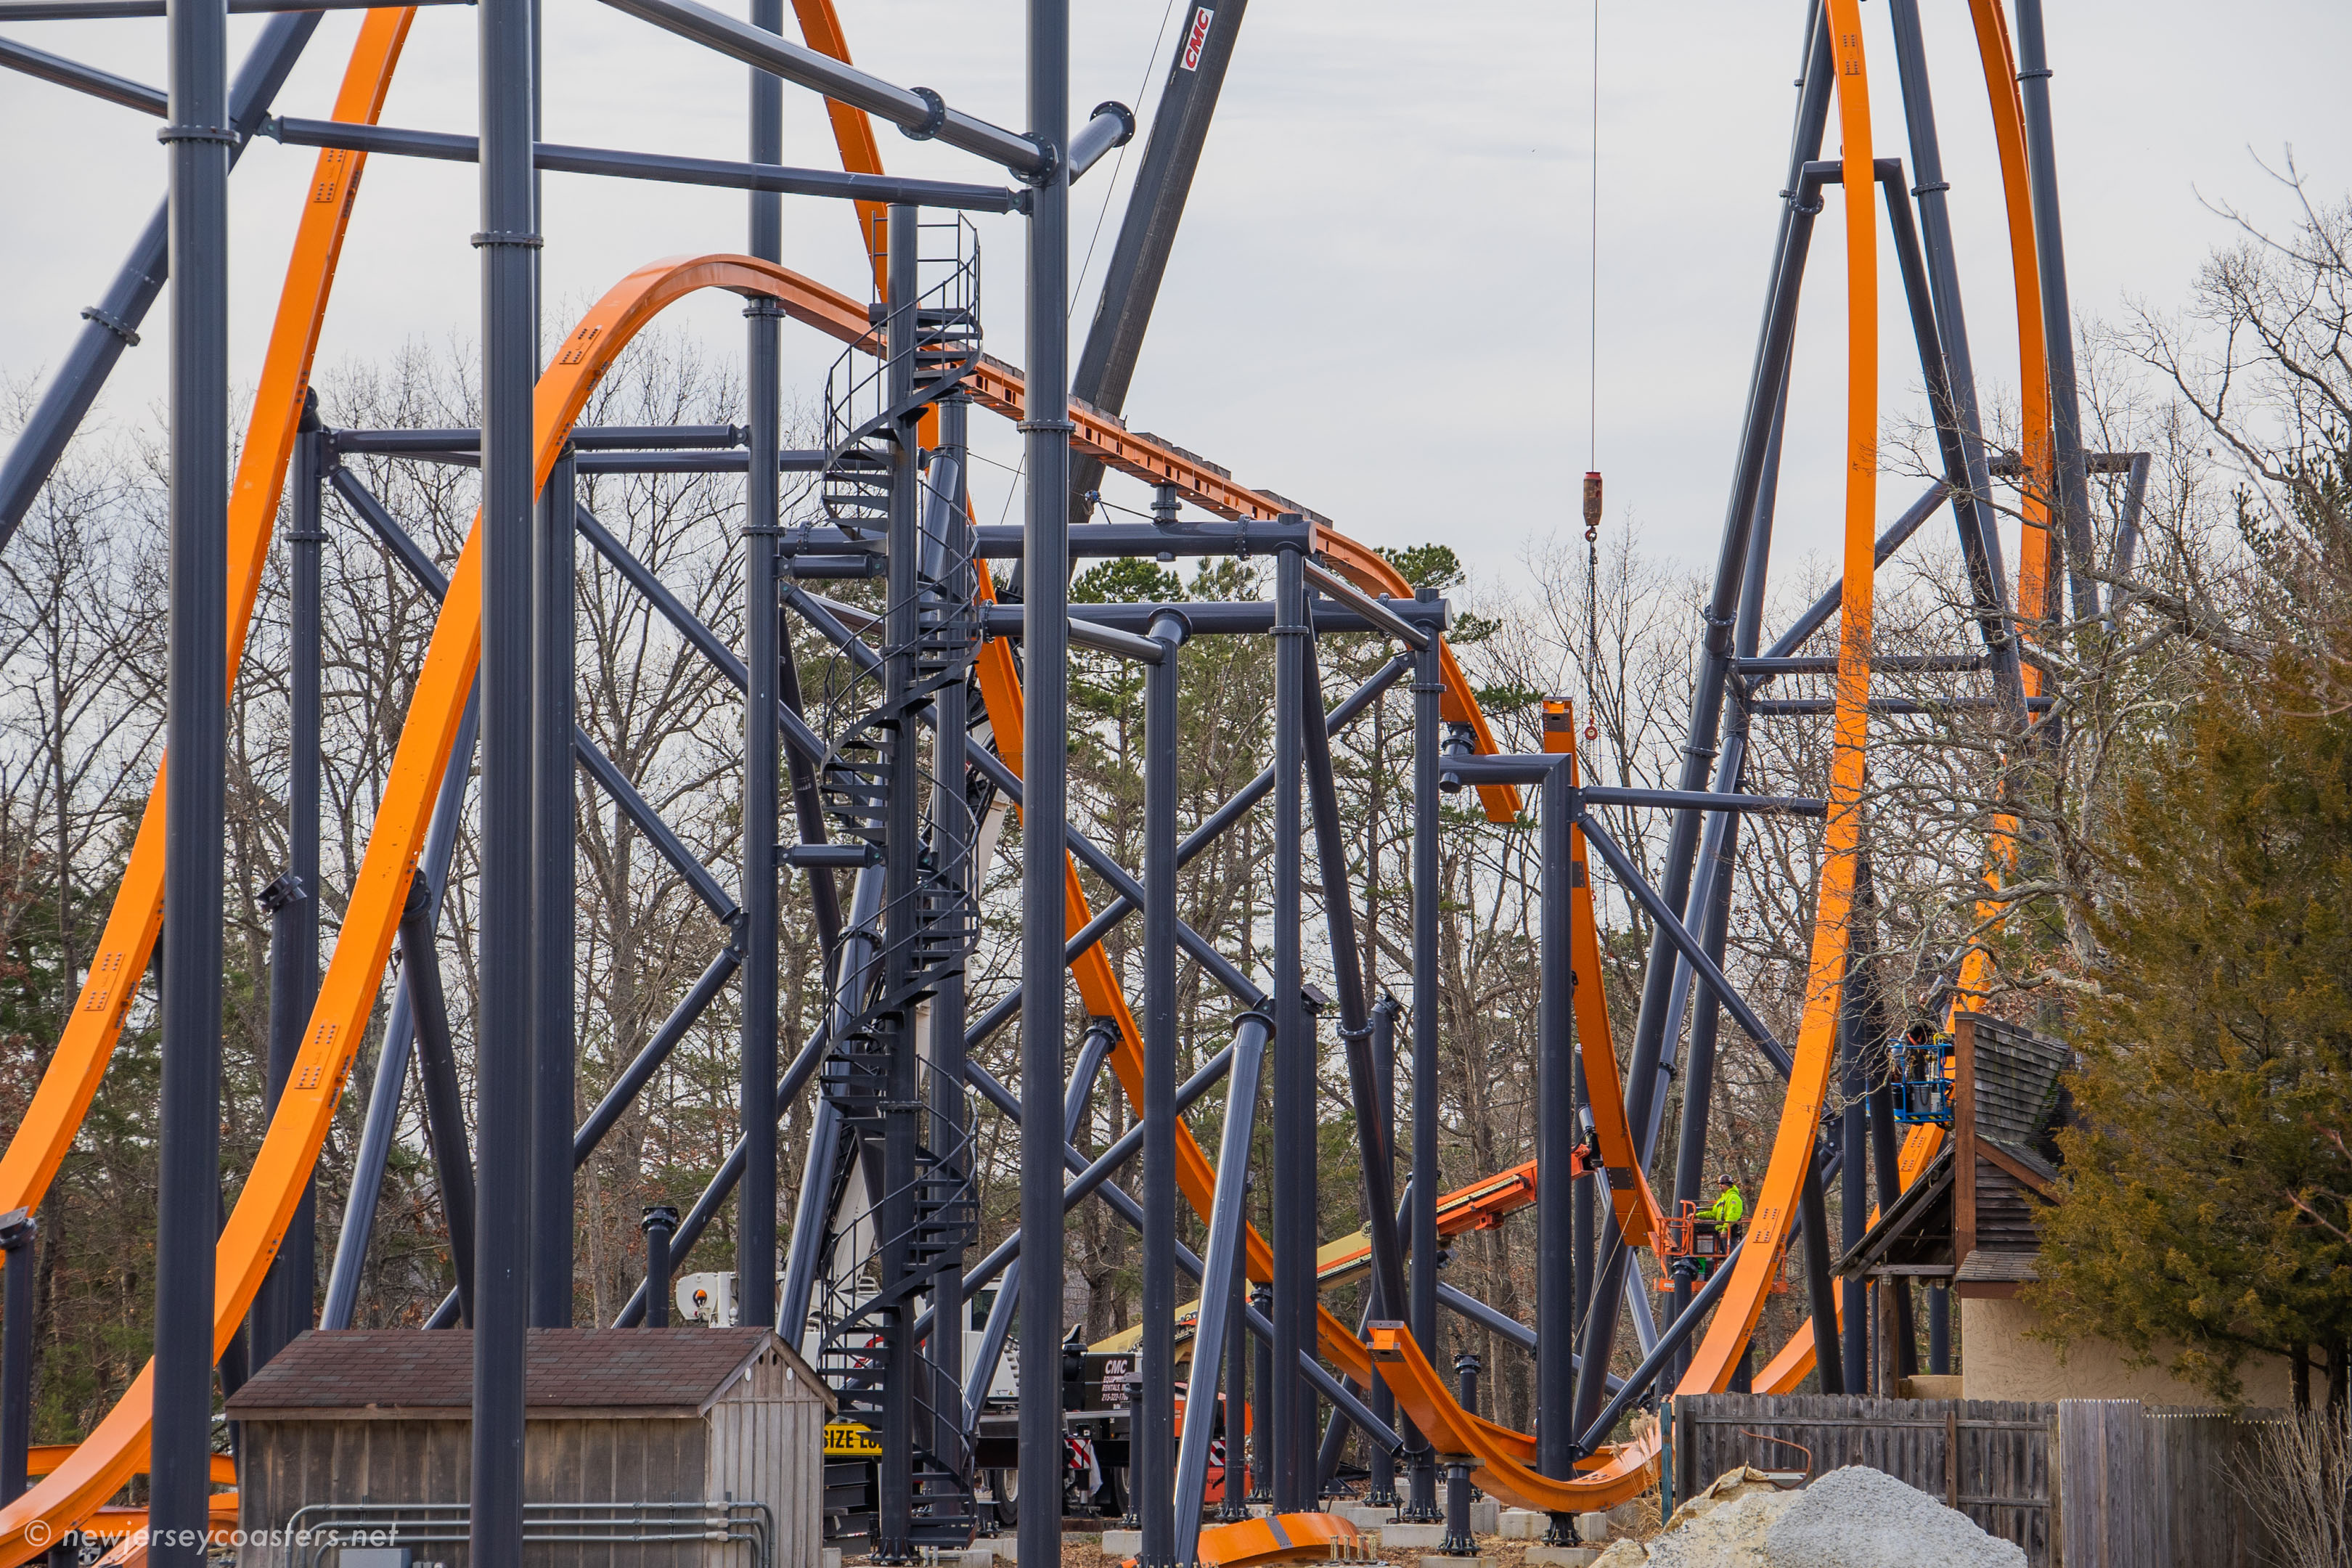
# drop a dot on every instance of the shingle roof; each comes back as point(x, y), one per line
point(567, 1369)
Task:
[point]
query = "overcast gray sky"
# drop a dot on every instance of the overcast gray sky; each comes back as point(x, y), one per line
point(1377, 303)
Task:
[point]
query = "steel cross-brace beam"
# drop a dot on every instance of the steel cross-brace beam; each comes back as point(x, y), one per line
point(112, 324)
point(599, 766)
point(613, 162)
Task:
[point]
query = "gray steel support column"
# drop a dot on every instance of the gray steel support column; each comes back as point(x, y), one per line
point(1428, 803)
point(1854, 1176)
point(1380, 1490)
point(1223, 1256)
point(1092, 1052)
point(1718, 849)
point(755, 1202)
point(436, 1073)
point(553, 834)
point(952, 843)
point(1372, 1130)
point(1884, 1160)
point(19, 1230)
point(2072, 504)
point(902, 848)
point(1044, 763)
point(1643, 1087)
point(1813, 1209)
point(1459, 1542)
point(1262, 1398)
point(195, 746)
point(804, 1259)
point(1154, 1427)
point(502, 1073)
point(1711, 891)
point(1240, 1358)
point(660, 1223)
point(1939, 1327)
point(1580, 1211)
point(1645, 1084)
point(1294, 1060)
point(1558, 1207)
point(289, 1295)
point(1980, 526)
point(381, 1125)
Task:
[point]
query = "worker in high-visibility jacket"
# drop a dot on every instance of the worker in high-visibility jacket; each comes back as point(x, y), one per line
point(1728, 1208)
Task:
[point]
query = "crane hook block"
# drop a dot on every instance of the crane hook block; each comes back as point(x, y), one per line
point(1592, 501)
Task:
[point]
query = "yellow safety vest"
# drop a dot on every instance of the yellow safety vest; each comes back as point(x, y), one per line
point(1729, 1209)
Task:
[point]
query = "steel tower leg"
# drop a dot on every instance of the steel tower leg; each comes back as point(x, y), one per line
point(1355, 1004)
point(287, 1298)
point(1645, 1080)
point(901, 913)
point(1153, 1425)
point(554, 832)
point(502, 1093)
point(18, 1232)
point(1223, 1255)
point(1263, 1462)
point(1829, 1363)
point(755, 1203)
point(1711, 892)
point(1854, 1131)
point(1580, 1213)
point(381, 1125)
point(1979, 531)
point(1428, 689)
point(436, 1065)
point(2073, 500)
point(1044, 762)
point(1643, 1088)
point(1381, 1491)
point(1559, 1207)
point(195, 743)
point(951, 834)
point(1294, 1060)
point(1890, 1187)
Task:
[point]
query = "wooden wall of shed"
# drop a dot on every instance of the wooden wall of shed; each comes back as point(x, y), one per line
point(289, 1464)
point(767, 1445)
point(2008, 1219)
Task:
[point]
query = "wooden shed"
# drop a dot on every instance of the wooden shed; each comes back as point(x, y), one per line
point(686, 1447)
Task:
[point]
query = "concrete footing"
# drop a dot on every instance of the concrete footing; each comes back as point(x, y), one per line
point(1415, 1538)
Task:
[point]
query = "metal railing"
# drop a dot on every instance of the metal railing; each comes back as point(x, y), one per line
point(318, 1529)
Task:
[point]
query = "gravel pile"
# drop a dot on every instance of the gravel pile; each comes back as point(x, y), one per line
point(1862, 1517)
point(1722, 1526)
point(1854, 1518)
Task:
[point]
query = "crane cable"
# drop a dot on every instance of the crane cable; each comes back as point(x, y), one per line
point(1592, 428)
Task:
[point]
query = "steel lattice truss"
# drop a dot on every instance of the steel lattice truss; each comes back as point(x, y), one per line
point(896, 790)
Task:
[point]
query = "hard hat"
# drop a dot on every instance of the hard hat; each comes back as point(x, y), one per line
point(1728, 1180)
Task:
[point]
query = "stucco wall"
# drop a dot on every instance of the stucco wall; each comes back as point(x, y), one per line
point(1998, 1361)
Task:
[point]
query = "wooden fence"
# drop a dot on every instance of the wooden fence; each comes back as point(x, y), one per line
point(2153, 1486)
point(2082, 1483)
point(1992, 1460)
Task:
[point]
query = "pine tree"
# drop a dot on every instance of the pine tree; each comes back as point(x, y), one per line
point(2202, 1220)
